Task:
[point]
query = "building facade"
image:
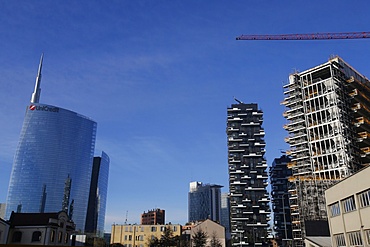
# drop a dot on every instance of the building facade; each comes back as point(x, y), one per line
point(225, 214)
point(53, 162)
point(140, 235)
point(153, 217)
point(214, 231)
point(95, 218)
point(4, 231)
point(348, 206)
point(2, 210)
point(204, 202)
point(249, 199)
point(327, 108)
point(40, 229)
point(279, 174)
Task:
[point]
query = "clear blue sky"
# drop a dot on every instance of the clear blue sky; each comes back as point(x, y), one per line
point(157, 76)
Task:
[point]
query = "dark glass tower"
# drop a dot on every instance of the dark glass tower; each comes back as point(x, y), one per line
point(53, 161)
point(249, 200)
point(98, 196)
point(279, 174)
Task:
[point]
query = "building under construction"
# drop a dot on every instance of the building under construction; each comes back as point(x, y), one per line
point(328, 113)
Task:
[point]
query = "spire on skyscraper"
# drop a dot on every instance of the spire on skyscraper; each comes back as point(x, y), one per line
point(36, 93)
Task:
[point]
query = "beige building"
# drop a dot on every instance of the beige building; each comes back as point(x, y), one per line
point(348, 207)
point(140, 235)
point(213, 231)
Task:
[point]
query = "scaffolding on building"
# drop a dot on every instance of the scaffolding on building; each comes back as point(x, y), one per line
point(327, 108)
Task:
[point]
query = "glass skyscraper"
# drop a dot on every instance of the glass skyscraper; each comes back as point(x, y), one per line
point(53, 162)
point(98, 196)
point(204, 202)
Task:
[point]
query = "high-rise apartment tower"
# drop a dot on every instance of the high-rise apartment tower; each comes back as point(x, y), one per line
point(249, 199)
point(53, 162)
point(328, 113)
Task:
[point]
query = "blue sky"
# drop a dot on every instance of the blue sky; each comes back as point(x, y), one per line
point(158, 76)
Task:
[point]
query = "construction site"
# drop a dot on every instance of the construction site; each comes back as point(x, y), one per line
point(328, 114)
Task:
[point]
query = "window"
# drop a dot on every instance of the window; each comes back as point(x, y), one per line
point(355, 238)
point(174, 228)
point(340, 240)
point(66, 238)
point(367, 234)
point(163, 228)
point(36, 236)
point(334, 209)
point(349, 204)
point(154, 229)
point(364, 198)
point(60, 237)
point(17, 236)
point(52, 236)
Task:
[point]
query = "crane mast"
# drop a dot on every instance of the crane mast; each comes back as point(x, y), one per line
point(309, 36)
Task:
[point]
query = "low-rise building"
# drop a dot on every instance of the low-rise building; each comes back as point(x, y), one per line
point(140, 235)
point(153, 217)
point(348, 207)
point(4, 230)
point(214, 231)
point(40, 229)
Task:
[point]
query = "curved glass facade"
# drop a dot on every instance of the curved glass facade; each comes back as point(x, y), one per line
point(53, 163)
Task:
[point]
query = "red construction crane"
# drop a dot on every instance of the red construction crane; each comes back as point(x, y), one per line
point(309, 36)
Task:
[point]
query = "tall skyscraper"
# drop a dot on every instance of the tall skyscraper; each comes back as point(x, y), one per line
point(98, 196)
point(249, 199)
point(282, 223)
point(328, 113)
point(204, 202)
point(53, 161)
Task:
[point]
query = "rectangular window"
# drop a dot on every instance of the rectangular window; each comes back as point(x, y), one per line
point(367, 234)
point(364, 198)
point(154, 229)
point(354, 238)
point(340, 240)
point(334, 209)
point(52, 236)
point(349, 204)
point(163, 228)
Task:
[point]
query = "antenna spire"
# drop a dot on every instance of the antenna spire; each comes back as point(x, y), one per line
point(36, 93)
